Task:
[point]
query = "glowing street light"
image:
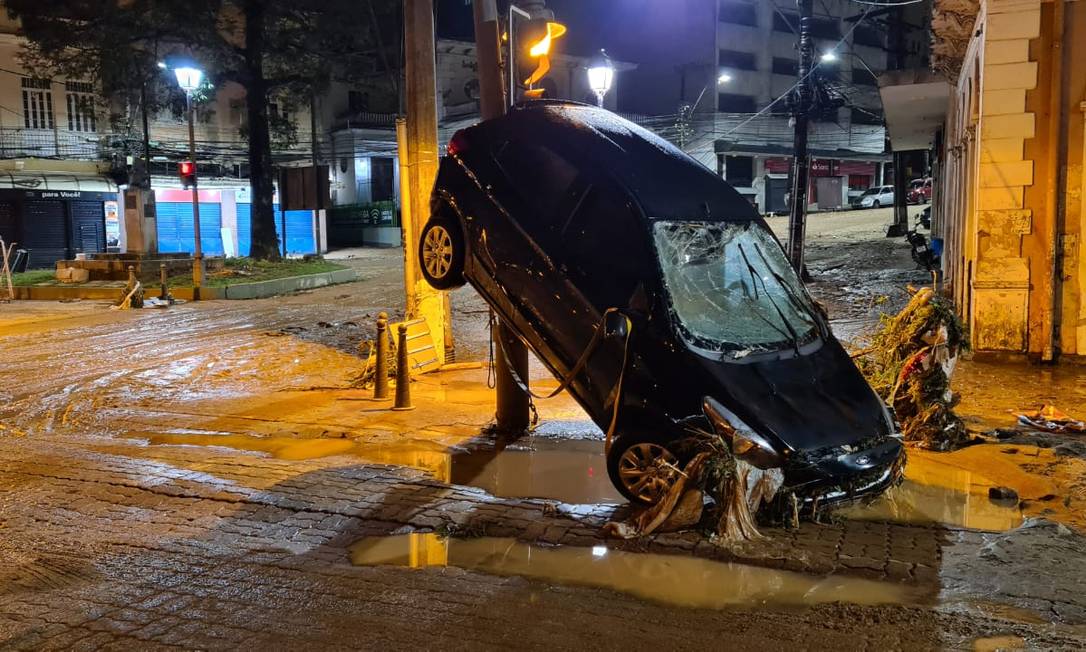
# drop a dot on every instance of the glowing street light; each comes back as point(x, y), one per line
point(188, 78)
point(724, 78)
point(600, 75)
point(829, 56)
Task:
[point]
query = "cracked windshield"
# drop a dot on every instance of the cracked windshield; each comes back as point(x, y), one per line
point(731, 287)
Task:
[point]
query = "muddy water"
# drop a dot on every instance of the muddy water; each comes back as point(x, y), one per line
point(682, 581)
point(935, 491)
point(570, 471)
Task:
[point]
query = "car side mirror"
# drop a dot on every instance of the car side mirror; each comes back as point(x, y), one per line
point(616, 324)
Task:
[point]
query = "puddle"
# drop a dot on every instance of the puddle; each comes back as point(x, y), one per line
point(937, 492)
point(570, 471)
point(671, 579)
point(994, 643)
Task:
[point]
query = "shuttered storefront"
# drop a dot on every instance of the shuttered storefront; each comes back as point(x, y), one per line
point(44, 233)
point(299, 230)
point(175, 232)
point(88, 227)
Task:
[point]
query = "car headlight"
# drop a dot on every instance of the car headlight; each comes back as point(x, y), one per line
point(746, 444)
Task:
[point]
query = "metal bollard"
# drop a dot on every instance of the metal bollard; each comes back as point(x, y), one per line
point(403, 373)
point(380, 378)
point(131, 278)
point(164, 295)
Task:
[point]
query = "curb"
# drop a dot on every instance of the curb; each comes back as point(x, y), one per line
point(258, 290)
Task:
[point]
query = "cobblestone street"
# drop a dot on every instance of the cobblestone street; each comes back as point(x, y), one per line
point(198, 477)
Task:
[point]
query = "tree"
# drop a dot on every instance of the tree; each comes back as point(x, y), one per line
point(291, 48)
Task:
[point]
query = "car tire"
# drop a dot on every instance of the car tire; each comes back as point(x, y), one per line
point(876, 204)
point(441, 253)
point(639, 458)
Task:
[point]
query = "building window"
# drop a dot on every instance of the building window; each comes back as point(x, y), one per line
point(732, 103)
point(823, 27)
point(279, 113)
point(863, 77)
point(80, 103)
point(738, 60)
point(37, 103)
point(357, 101)
point(785, 21)
point(739, 171)
point(738, 13)
point(862, 116)
point(869, 36)
point(788, 67)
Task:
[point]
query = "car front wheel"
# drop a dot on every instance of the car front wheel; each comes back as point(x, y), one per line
point(876, 204)
point(441, 254)
point(642, 469)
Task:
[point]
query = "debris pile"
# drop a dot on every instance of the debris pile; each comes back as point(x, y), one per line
point(1050, 419)
point(909, 361)
point(736, 489)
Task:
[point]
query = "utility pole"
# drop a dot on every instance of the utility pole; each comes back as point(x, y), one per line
point(197, 252)
point(896, 61)
point(800, 163)
point(421, 88)
point(509, 352)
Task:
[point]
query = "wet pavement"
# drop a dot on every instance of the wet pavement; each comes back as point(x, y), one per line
point(205, 476)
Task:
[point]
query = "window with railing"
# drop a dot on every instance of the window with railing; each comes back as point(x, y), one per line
point(80, 98)
point(737, 60)
point(738, 13)
point(37, 103)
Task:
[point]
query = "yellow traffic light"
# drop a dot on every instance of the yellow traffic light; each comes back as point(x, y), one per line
point(541, 50)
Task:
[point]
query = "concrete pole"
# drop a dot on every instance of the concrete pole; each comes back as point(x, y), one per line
point(512, 401)
point(797, 223)
point(197, 253)
point(421, 100)
point(410, 256)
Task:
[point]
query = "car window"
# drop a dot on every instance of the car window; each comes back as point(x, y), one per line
point(538, 174)
point(605, 248)
point(731, 287)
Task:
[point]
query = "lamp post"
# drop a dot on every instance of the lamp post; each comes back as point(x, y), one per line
point(600, 75)
point(189, 78)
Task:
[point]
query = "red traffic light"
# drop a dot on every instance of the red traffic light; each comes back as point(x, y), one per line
point(186, 170)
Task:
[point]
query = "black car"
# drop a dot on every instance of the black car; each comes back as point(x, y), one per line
point(567, 218)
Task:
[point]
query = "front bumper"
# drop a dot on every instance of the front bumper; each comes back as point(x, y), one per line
point(840, 475)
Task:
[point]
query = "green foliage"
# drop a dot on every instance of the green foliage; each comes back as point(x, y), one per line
point(31, 277)
point(252, 270)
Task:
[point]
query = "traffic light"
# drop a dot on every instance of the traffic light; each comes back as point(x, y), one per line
point(536, 38)
point(186, 170)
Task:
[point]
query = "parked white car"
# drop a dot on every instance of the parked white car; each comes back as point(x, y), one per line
point(877, 196)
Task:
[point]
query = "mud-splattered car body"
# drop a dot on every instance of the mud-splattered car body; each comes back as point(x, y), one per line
point(564, 216)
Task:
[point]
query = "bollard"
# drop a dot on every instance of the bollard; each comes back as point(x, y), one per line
point(380, 378)
point(164, 295)
point(403, 373)
point(131, 279)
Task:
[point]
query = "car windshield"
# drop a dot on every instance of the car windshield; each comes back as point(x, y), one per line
point(731, 287)
point(871, 191)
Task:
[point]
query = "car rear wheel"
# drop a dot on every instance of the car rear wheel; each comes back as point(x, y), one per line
point(642, 469)
point(441, 254)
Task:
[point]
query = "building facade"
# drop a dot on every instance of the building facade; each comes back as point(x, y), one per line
point(1009, 194)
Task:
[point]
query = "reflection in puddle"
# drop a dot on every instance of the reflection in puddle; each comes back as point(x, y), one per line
point(936, 492)
point(994, 643)
point(682, 581)
point(570, 471)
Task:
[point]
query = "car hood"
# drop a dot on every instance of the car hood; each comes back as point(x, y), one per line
point(807, 401)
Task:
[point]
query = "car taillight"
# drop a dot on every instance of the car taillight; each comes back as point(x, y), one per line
point(457, 145)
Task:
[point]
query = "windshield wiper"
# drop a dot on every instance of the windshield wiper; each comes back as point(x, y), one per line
point(789, 292)
point(794, 337)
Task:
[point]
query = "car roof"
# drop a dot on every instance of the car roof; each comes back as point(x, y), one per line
point(666, 182)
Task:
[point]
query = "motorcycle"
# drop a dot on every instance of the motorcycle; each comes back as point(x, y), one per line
point(922, 253)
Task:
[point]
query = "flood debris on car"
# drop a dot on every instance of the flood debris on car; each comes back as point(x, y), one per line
point(909, 361)
point(714, 492)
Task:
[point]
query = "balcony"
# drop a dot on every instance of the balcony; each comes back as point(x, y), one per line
point(49, 143)
point(364, 120)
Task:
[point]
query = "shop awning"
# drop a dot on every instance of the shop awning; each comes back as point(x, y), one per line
point(914, 103)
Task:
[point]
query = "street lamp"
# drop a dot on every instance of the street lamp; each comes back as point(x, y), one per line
point(600, 75)
point(189, 78)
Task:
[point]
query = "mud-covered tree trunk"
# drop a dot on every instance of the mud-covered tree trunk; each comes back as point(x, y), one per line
point(265, 244)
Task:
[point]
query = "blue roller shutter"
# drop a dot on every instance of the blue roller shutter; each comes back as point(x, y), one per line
point(299, 230)
point(175, 228)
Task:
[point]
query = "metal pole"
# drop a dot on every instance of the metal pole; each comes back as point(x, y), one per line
point(800, 164)
point(512, 413)
point(197, 255)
